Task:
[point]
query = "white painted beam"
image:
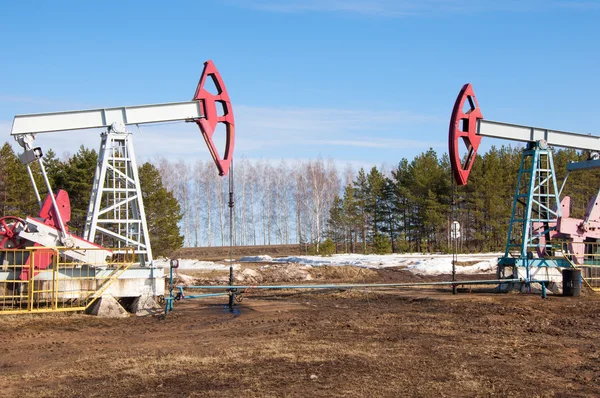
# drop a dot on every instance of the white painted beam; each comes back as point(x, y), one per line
point(105, 117)
point(515, 132)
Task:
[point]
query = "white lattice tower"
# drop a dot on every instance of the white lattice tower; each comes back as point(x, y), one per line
point(116, 216)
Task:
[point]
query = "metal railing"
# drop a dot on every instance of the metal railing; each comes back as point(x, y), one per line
point(42, 279)
point(586, 257)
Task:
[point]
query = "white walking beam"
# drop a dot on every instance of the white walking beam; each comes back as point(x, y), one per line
point(105, 117)
point(515, 132)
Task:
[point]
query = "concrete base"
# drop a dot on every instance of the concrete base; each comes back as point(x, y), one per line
point(136, 281)
point(551, 275)
point(141, 306)
point(139, 281)
point(107, 307)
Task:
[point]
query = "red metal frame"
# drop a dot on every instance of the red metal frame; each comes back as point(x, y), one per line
point(64, 208)
point(463, 125)
point(211, 118)
point(42, 259)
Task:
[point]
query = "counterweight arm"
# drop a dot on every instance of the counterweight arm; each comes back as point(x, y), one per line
point(204, 109)
point(105, 117)
point(468, 125)
point(515, 132)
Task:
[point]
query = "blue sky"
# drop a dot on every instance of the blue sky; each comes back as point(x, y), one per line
point(359, 81)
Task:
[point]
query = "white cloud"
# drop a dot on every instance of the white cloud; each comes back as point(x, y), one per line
point(268, 131)
point(27, 100)
point(268, 127)
point(384, 143)
point(399, 8)
point(48, 104)
point(326, 120)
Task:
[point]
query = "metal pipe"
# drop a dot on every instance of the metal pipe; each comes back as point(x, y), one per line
point(35, 188)
point(358, 285)
point(205, 295)
point(169, 300)
point(543, 290)
point(61, 226)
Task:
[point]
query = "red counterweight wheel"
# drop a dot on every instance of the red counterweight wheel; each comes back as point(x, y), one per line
point(463, 127)
point(217, 109)
point(9, 232)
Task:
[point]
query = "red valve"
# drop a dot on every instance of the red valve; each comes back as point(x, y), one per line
point(211, 118)
point(463, 124)
point(9, 232)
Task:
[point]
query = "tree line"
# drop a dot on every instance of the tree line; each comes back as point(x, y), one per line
point(407, 208)
point(412, 208)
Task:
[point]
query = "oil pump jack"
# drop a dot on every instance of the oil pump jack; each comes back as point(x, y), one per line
point(538, 213)
point(116, 216)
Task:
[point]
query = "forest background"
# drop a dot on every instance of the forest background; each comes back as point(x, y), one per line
point(406, 208)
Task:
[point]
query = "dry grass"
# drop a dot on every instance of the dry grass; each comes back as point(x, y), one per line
point(467, 263)
point(346, 273)
point(349, 344)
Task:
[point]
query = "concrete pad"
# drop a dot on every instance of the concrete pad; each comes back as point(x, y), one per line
point(107, 307)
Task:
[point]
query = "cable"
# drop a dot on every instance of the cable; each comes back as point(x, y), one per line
point(231, 204)
point(453, 232)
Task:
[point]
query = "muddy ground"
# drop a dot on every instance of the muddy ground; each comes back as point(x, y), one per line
point(393, 343)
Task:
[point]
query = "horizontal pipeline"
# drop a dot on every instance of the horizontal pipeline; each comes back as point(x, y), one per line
point(358, 285)
point(194, 296)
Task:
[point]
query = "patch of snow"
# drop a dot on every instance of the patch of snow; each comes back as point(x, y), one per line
point(256, 259)
point(196, 265)
point(419, 263)
point(249, 275)
point(440, 266)
point(185, 279)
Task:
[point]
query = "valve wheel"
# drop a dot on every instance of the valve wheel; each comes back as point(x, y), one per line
point(9, 232)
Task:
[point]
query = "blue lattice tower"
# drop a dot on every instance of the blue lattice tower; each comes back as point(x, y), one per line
point(536, 207)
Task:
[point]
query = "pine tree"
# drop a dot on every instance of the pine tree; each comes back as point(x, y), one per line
point(430, 190)
point(381, 244)
point(15, 187)
point(76, 176)
point(497, 201)
point(402, 204)
point(390, 219)
point(374, 202)
point(163, 212)
point(336, 221)
point(351, 218)
point(53, 166)
point(360, 201)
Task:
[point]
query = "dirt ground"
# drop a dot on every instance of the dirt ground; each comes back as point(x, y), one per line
point(392, 343)
point(217, 253)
